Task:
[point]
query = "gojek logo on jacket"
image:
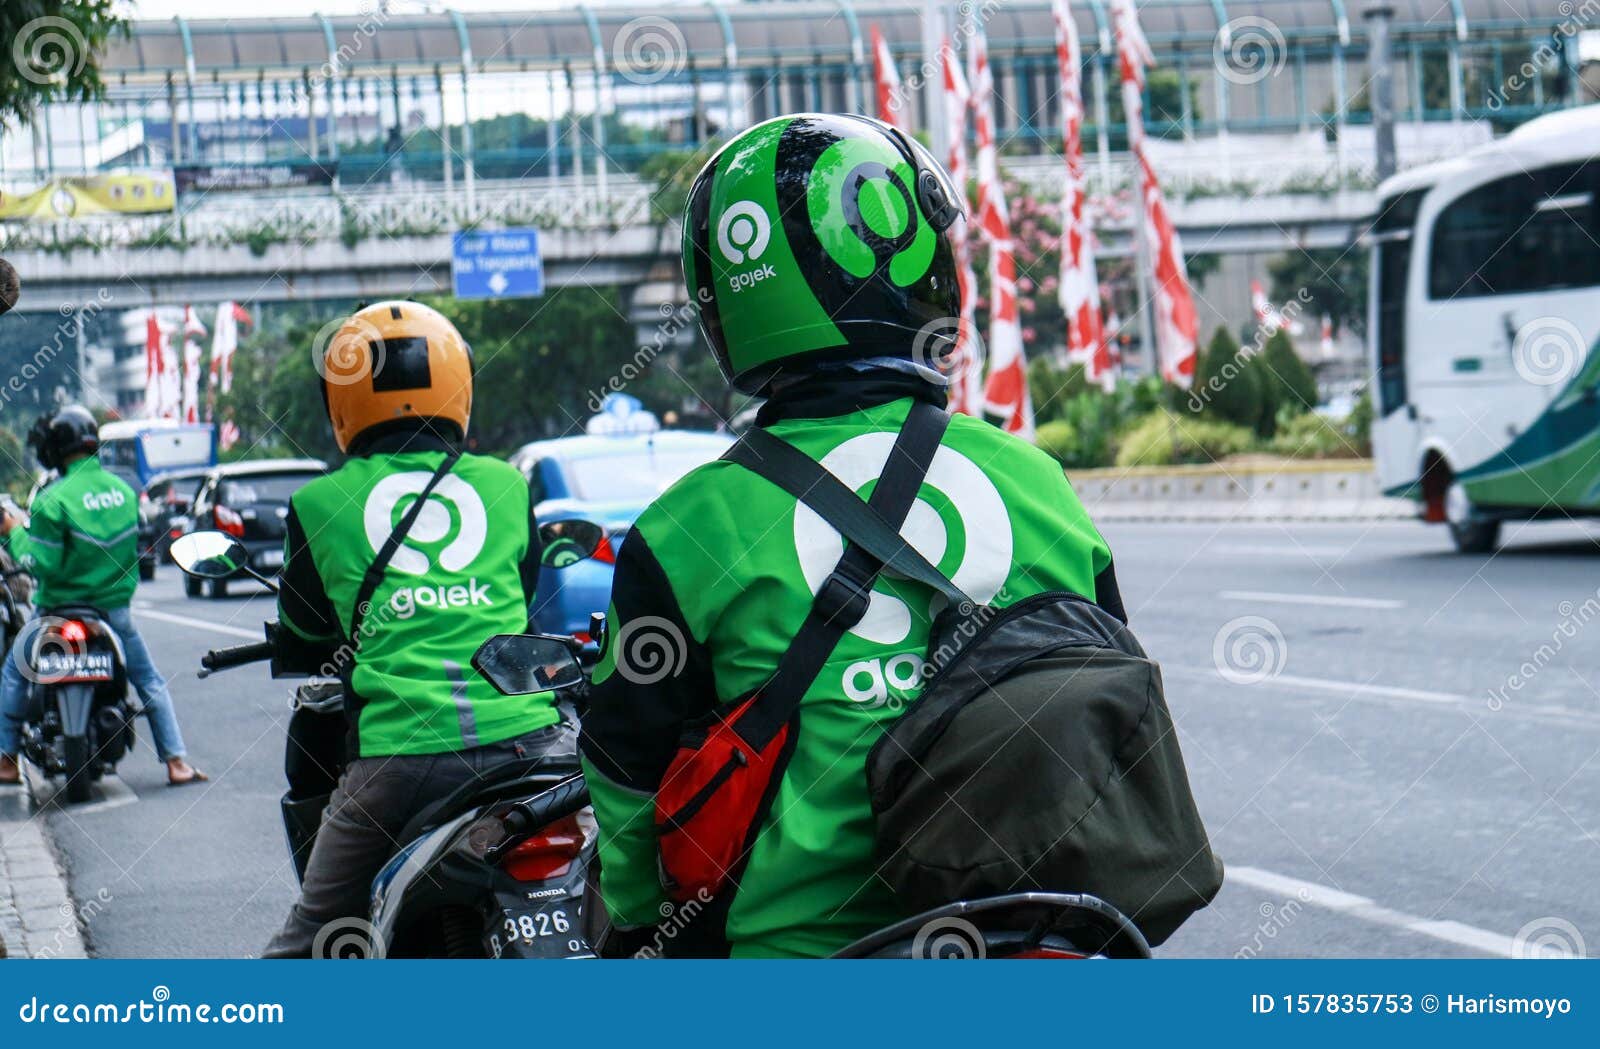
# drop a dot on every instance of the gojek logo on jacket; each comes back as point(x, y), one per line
point(448, 533)
point(959, 507)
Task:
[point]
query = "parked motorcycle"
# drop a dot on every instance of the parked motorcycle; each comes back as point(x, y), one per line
point(495, 870)
point(78, 722)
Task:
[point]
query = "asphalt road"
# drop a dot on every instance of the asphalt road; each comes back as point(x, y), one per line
point(1395, 748)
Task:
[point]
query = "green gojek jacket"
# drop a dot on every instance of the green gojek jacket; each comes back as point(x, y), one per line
point(466, 571)
point(719, 573)
point(82, 539)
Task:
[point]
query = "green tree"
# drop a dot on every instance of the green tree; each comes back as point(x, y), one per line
point(1226, 383)
point(1052, 387)
point(1288, 387)
point(52, 52)
point(1333, 280)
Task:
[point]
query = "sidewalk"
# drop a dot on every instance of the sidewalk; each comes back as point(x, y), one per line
point(37, 916)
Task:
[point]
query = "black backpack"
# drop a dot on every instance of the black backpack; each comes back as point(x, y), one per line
point(1040, 756)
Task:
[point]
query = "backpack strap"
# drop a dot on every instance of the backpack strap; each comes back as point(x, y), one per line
point(843, 598)
point(380, 564)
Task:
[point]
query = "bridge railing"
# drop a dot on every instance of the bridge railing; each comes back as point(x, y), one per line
point(231, 219)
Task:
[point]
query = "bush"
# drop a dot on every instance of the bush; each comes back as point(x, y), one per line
point(1287, 386)
point(1084, 434)
point(1226, 384)
point(1052, 387)
point(1312, 436)
point(1166, 439)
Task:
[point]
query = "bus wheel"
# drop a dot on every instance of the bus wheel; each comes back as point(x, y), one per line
point(1472, 533)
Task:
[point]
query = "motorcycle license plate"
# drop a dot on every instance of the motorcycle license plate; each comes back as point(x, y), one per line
point(74, 667)
point(551, 930)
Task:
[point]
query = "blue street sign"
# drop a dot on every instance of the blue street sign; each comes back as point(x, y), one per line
point(496, 264)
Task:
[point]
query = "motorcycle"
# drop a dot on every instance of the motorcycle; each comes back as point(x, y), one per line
point(495, 870)
point(78, 722)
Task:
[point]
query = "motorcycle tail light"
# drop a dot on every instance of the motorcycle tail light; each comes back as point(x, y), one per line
point(229, 521)
point(1049, 952)
point(547, 854)
point(606, 553)
point(74, 630)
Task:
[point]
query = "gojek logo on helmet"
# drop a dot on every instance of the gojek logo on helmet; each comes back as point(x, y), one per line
point(449, 532)
point(958, 507)
point(743, 232)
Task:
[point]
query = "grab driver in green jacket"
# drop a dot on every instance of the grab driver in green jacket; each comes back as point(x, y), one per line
point(816, 249)
point(397, 380)
point(81, 543)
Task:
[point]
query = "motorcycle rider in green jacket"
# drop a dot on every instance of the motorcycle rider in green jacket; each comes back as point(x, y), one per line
point(397, 380)
point(81, 543)
point(815, 249)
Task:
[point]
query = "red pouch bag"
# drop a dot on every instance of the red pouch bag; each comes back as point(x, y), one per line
point(712, 797)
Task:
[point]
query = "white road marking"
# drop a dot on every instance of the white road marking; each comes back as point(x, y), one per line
point(112, 792)
point(147, 612)
point(1367, 910)
point(1283, 550)
point(1310, 599)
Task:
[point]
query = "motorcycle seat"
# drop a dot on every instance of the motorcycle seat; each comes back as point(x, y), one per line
point(513, 779)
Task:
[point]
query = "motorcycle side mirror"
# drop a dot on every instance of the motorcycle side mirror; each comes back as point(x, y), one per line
point(209, 555)
point(521, 664)
point(568, 542)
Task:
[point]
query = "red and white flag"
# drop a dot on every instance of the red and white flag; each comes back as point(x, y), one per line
point(162, 396)
point(1177, 325)
point(224, 341)
point(193, 332)
point(1080, 299)
point(1005, 391)
point(1326, 344)
point(887, 78)
point(966, 358)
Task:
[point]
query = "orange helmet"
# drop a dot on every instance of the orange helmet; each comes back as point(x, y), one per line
point(393, 361)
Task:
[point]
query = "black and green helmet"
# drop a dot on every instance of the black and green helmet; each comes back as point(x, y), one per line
point(819, 237)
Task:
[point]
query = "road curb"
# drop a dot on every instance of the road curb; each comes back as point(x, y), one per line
point(1335, 490)
point(37, 916)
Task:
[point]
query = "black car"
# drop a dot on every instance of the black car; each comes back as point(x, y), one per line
point(164, 506)
point(249, 501)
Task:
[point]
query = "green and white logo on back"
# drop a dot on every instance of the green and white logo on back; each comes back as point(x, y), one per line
point(449, 530)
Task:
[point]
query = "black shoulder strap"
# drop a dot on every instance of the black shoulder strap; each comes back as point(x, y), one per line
point(380, 564)
point(863, 523)
point(842, 599)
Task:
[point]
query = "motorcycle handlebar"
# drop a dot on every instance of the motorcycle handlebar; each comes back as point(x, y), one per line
point(237, 656)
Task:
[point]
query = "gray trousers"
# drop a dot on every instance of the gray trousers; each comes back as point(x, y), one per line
point(375, 799)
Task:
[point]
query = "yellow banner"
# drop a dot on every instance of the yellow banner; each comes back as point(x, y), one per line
point(77, 196)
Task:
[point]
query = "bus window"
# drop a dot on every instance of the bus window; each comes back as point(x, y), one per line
point(1529, 232)
point(1392, 257)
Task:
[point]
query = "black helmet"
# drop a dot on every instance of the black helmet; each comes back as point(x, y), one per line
point(820, 237)
point(54, 437)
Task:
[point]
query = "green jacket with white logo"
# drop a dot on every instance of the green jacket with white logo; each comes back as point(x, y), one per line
point(467, 571)
point(717, 576)
point(82, 539)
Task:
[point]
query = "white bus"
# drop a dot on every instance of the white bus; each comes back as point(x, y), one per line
point(1485, 301)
